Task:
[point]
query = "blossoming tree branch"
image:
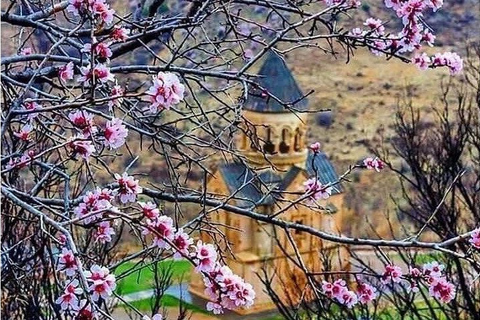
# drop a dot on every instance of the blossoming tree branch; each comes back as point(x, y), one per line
point(91, 89)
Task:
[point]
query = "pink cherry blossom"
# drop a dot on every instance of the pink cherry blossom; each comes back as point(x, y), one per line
point(373, 164)
point(422, 61)
point(101, 49)
point(375, 25)
point(357, 32)
point(104, 232)
point(69, 298)
point(97, 201)
point(343, 3)
point(83, 121)
point(84, 148)
point(182, 242)
point(450, 60)
point(103, 283)
point(128, 188)
point(119, 34)
point(348, 298)
point(414, 276)
point(378, 46)
point(26, 51)
point(115, 133)
point(429, 38)
point(327, 289)
point(227, 290)
point(475, 238)
point(150, 210)
point(433, 269)
point(316, 189)
point(100, 72)
point(366, 293)
point(392, 273)
point(104, 12)
point(30, 106)
point(242, 294)
point(67, 262)
point(204, 256)
point(84, 311)
point(162, 230)
point(24, 133)
point(62, 239)
point(215, 307)
point(74, 6)
point(165, 92)
point(394, 4)
point(442, 289)
point(66, 72)
point(335, 290)
point(315, 147)
point(435, 4)
point(116, 94)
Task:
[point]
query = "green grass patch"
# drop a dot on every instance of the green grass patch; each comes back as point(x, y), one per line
point(167, 301)
point(143, 279)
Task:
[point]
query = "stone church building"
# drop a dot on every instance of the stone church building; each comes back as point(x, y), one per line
point(267, 182)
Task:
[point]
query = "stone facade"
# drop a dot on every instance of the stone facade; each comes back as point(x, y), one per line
point(269, 181)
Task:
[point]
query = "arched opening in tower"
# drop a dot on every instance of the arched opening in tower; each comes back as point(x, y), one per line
point(297, 143)
point(269, 147)
point(285, 144)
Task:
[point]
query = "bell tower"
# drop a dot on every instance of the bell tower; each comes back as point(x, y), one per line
point(274, 133)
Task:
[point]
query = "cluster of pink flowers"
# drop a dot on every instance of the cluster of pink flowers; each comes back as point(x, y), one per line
point(119, 34)
point(94, 205)
point(100, 72)
point(67, 262)
point(24, 132)
point(103, 282)
point(374, 164)
point(69, 299)
point(83, 121)
point(84, 148)
point(66, 72)
point(116, 94)
point(101, 49)
point(432, 275)
point(316, 189)
point(446, 59)
point(162, 229)
point(345, 4)
point(128, 188)
point(26, 51)
point(115, 133)
point(410, 38)
point(30, 106)
point(226, 290)
point(104, 232)
point(475, 238)
point(165, 91)
point(97, 8)
point(149, 210)
point(392, 274)
point(338, 290)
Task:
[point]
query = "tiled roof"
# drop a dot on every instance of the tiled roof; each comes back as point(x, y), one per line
point(251, 189)
point(277, 79)
point(320, 167)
